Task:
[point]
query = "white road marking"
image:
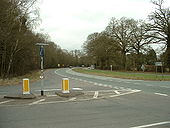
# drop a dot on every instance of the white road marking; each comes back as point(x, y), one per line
point(72, 99)
point(48, 90)
point(51, 95)
point(7, 101)
point(117, 92)
point(110, 86)
point(134, 91)
point(161, 94)
point(95, 83)
point(116, 87)
point(105, 85)
point(100, 84)
point(96, 93)
point(136, 83)
point(127, 82)
point(150, 85)
point(78, 89)
point(150, 125)
point(36, 102)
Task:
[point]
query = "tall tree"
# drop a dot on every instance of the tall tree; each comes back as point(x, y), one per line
point(160, 26)
point(121, 31)
point(139, 40)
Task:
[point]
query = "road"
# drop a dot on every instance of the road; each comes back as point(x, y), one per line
point(107, 103)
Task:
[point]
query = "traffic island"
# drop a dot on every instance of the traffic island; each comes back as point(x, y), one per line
point(72, 93)
point(21, 96)
point(26, 94)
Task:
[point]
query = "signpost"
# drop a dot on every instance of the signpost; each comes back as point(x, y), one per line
point(42, 64)
point(159, 64)
point(143, 67)
point(111, 67)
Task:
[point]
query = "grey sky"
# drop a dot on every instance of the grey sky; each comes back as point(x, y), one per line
point(69, 22)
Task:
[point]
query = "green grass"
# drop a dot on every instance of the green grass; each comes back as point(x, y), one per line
point(125, 75)
point(33, 76)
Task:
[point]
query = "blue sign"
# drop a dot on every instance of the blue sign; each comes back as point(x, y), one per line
point(41, 51)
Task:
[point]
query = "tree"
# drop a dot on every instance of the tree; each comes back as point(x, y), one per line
point(139, 40)
point(121, 31)
point(102, 50)
point(160, 26)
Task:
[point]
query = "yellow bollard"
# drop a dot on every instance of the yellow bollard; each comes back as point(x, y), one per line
point(65, 85)
point(26, 86)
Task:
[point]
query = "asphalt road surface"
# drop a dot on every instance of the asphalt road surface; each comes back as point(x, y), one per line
point(107, 103)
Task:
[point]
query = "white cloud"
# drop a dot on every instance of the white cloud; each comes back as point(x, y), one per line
point(69, 22)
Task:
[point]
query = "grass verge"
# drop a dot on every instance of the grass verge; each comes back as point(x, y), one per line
point(125, 75)
point(33, 76)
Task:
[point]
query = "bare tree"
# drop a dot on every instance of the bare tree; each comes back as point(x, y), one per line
point(159, 27)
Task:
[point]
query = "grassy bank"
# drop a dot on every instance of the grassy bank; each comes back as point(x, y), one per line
point(33, 76)
point(125, 75)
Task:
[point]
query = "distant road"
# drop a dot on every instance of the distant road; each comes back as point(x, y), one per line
point(108, 103)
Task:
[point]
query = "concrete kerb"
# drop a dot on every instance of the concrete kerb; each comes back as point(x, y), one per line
point(72, 93)
point(21, 96)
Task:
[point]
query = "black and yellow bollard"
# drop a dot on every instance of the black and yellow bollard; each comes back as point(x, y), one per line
point(26, 86)
point(65, 85)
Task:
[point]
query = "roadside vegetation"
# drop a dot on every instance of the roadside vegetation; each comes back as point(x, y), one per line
point(18, 53)
point(125, 43)
point(33, 76)
point(126, 74)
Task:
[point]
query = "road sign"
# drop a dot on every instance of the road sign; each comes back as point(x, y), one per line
point(42, 51)
point(158, 64)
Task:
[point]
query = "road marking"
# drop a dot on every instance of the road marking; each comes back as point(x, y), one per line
point(36, 102)
point(161, 94)
point(105, 85)
point(72, 99)
point(48, 90)
point(134, 91)
point(96, 93)
point(136, 83)
point(117, 92)
point(116, 87)
point(78, 89)
point(51, 95)
point(7, 101)
point(110, 86)
point(150, 125)
point(100, 84)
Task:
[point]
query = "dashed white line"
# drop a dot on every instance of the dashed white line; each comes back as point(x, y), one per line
point(161, 94)
point(96, 93)
point(51, 95)
point(7, 101)
point(72, 99)
point(116, 92)
point(154, 124)
point(36, 102)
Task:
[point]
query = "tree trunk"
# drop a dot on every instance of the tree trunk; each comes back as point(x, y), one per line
point(11, 59)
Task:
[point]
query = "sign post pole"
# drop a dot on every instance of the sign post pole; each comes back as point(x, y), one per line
point(159, 64)
point(42, 65)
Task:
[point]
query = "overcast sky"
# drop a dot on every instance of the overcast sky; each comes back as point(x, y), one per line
point(69, 22)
